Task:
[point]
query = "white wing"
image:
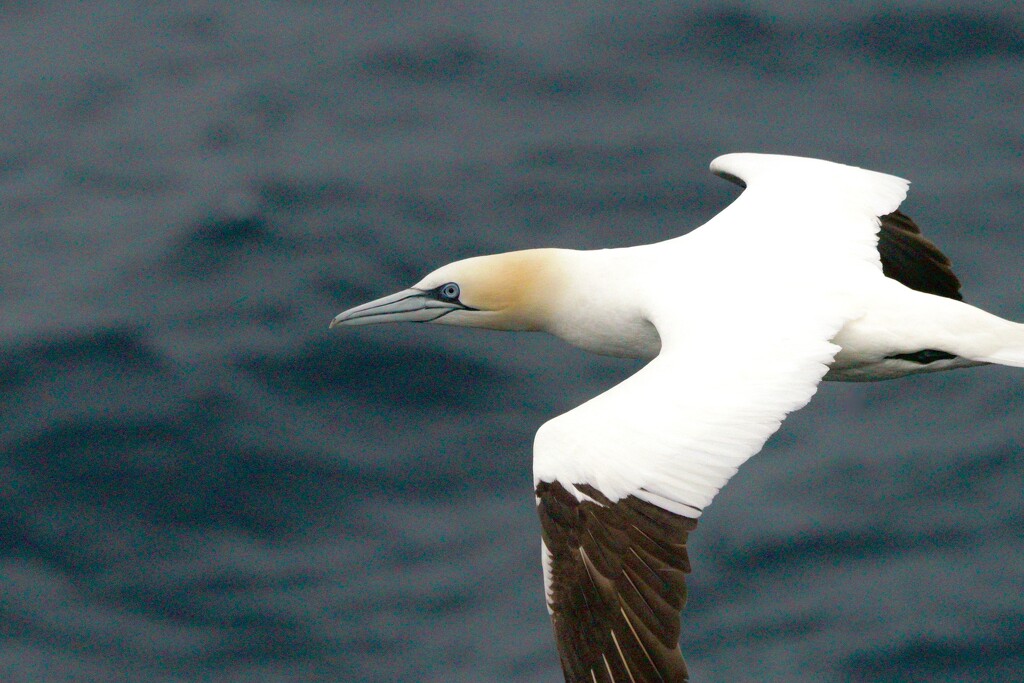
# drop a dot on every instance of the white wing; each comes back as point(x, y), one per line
point(621, 479)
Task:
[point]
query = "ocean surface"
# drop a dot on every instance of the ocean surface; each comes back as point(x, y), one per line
point(200, 482)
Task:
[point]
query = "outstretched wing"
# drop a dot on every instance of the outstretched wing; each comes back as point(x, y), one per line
point(621, 480)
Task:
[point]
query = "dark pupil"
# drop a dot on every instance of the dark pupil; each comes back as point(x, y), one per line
point(450, 291)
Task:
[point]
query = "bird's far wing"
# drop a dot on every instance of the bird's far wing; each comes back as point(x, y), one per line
point(621, 480)
point(907, 256)
point(806, 210)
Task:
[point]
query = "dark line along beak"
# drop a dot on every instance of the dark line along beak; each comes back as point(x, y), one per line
point(409, 305)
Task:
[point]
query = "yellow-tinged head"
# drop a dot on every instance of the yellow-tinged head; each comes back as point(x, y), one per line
point(511, 291)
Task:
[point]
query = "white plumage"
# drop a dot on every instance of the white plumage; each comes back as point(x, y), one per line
point(743, 317)
point(747, 308)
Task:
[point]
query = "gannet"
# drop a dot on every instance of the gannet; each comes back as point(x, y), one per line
point(811, 273)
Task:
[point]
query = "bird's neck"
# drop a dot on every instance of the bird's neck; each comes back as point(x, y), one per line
point(597, 306)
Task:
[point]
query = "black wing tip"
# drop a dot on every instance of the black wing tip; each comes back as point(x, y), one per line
point(617, 586)
point(913, 260)
point(735, 180)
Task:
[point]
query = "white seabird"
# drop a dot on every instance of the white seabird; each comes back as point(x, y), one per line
point(810, 274)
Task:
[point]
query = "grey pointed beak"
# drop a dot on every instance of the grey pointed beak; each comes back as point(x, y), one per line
point(409, 305)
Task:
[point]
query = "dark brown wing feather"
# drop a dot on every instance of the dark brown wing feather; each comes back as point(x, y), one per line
point(618, 573)
point(910, 258)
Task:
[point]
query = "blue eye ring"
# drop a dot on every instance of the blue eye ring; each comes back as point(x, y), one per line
point(449, 292)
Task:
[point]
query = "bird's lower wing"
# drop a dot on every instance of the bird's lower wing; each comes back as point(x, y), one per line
point(621, 480)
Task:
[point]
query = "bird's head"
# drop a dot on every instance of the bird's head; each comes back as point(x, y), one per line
point(511, 291)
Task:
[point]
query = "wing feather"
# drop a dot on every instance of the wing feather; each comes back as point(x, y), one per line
point(615, 596)
point(912, 259)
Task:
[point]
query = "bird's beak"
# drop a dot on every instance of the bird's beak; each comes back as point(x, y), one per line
point(409, 305)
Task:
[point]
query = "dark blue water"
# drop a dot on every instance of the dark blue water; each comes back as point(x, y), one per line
point(200, 483)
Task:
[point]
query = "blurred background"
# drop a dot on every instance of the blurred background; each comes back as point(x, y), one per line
point(199, 482)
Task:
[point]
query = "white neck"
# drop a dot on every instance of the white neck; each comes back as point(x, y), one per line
point(596, 307)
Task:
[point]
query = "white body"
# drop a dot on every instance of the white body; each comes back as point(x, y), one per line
point(601, 312)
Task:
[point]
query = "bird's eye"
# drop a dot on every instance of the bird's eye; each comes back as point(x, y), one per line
point(449, 291)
